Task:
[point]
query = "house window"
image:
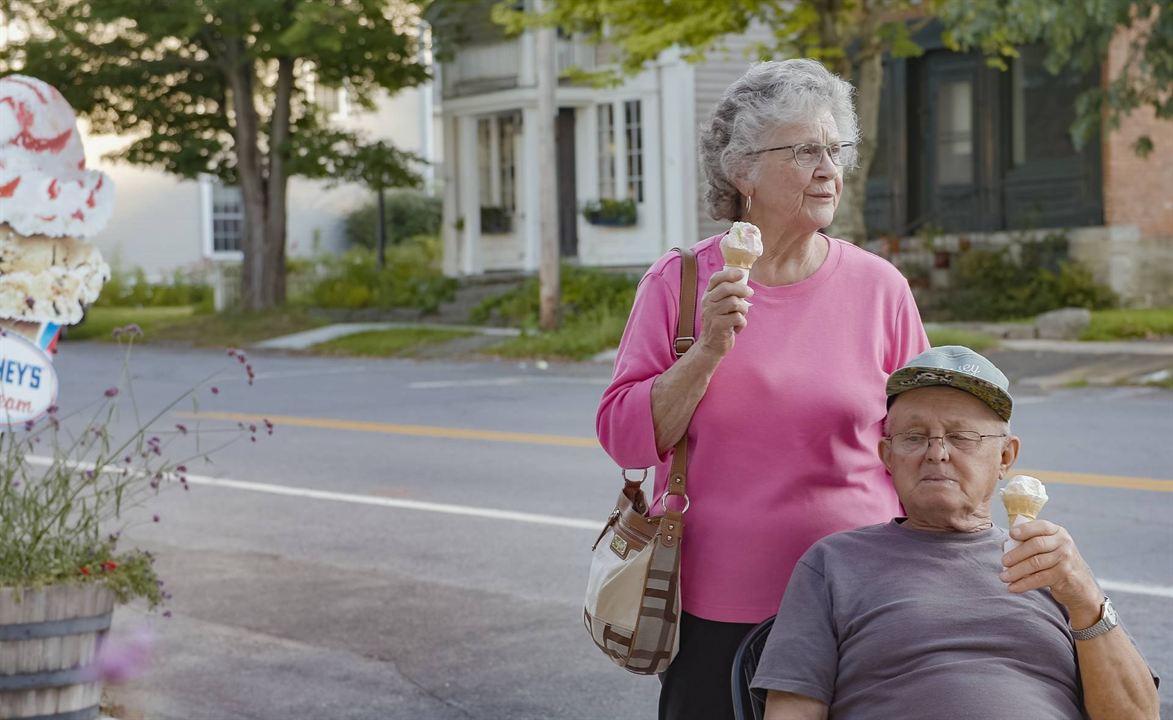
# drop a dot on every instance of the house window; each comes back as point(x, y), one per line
point(227, 218)
point(485, 159)
point(635, 150)
point(510, 128)
point(497, 139)
point(1049, 103)
point(606, 151)
point(955, 133)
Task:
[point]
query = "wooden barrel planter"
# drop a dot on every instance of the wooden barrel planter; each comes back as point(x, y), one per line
point(48, 637)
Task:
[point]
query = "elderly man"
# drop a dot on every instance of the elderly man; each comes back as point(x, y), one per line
point(926, 617)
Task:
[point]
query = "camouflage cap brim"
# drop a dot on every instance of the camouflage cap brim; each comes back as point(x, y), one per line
point(910, 378)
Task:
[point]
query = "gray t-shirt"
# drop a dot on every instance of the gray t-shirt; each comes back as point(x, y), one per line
point(889, 622)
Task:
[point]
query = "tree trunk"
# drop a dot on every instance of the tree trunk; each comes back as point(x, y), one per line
point(868, 74)
point(250, 175)
point(273, 292)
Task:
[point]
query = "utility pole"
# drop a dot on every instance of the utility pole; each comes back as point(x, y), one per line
point(548, 270)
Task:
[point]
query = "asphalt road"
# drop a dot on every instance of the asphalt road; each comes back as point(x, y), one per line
point(358, 570)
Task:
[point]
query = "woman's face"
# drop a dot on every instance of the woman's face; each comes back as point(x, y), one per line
point(788, 198)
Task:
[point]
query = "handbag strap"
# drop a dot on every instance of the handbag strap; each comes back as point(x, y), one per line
point(685, 338)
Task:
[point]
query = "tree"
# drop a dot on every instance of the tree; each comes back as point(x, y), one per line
point(1077, 34)
point(224, 87)
point(851, 38)
point(379, 166)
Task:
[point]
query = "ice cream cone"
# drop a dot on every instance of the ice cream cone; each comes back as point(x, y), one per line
point(741, 247)
point(49, 202)
point(1024, 498)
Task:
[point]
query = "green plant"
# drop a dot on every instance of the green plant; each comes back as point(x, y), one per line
point(583, 289)
point(611, 212)
point(62, 516)
point(406, 214)
point(1026, 279)
point(580, 337)
point(133, 289)
point(411, 278)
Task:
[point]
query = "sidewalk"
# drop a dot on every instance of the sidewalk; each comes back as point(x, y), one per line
point(1037, 364)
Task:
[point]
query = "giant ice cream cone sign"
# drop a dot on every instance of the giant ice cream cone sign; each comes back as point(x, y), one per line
point(49, 204)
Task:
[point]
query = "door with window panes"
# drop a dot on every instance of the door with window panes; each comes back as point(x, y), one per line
point(959, 111)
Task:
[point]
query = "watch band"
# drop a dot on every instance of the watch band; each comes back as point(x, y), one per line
point(1108, 620)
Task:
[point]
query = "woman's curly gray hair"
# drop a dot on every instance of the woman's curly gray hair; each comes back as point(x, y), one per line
point(768, 95)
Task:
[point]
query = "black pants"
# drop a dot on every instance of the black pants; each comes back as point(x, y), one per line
point(696, 685)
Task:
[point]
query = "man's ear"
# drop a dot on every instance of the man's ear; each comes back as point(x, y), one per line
point(884, 448)
point(1010, 453)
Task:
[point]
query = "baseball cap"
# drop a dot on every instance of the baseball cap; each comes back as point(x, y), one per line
point(955, 366)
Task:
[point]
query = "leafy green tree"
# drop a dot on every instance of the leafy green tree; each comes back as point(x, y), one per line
point(224, 87)
point(851, 38)
point(1077, 34)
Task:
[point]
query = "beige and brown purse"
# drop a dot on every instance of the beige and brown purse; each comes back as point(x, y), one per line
point(633, 593)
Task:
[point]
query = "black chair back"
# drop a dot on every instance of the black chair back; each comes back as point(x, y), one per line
point(746, 705)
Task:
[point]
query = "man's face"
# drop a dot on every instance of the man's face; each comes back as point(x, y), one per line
point(943, 487)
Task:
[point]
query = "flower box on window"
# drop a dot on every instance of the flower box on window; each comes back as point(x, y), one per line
point(496, 220)
point(615, 213)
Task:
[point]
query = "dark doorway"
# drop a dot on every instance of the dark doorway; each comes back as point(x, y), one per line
point(567, 191)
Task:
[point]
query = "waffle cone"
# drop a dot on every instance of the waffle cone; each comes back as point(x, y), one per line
point(736, 257)
point(1024, 505)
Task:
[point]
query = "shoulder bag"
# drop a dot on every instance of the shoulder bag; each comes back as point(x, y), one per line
point(632, 609)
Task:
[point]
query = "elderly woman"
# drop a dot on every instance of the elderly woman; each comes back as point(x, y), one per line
point(783, 403)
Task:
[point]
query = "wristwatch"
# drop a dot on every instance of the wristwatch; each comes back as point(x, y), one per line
point(1108, 620)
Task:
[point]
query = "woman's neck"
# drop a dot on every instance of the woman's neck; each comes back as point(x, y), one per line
point(788, 259)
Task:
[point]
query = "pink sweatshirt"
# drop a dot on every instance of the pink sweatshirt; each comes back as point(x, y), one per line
point(782, 448)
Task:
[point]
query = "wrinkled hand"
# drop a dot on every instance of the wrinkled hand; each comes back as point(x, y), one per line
point(1048, 558)
point(723, 311)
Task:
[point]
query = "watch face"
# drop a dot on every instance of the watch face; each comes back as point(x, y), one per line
point(1110, 613)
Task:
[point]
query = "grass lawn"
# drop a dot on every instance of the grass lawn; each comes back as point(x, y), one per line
point(181, 324)
point(979, 342)
point(578, 339)
point(397, 342)
point(1130, 324)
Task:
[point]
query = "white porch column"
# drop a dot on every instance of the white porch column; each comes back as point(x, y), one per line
point(678, 144)
point(530, 191)
point(470, 197)
point(449, 235)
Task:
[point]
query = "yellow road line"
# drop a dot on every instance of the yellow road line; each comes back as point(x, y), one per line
point(1049, 476)
point(398, 429)
point(1109, 481)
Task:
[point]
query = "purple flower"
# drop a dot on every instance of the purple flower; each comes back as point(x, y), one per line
point(215, 390)
point(155, 518)
point(181, 428)
point(52, 409)
point(122, 657)
point(111, 392)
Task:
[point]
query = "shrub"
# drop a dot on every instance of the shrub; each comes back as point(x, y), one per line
point(407, 213)
point(583, 290)
point(411, 278)
point(1031, 278)
point(134, 290)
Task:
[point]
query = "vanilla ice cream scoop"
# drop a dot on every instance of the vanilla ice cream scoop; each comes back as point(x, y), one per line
point(741, 247)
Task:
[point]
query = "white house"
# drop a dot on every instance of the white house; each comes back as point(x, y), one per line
point(162, 224)
point(637, 141)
